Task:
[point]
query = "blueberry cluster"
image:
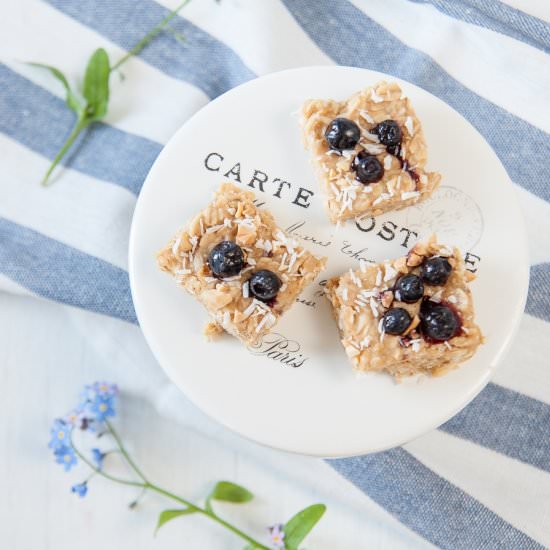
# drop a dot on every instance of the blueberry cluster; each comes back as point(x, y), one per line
point(227, 259)
point(343, 133)
point(438, 322)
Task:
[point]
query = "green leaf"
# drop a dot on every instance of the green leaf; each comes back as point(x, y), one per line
point(72, 100)
point(168, 515)
point(298, 527)
point(230, 492)
point(96, 85)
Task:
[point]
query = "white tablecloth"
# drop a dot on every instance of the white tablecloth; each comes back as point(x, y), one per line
point(47, 352)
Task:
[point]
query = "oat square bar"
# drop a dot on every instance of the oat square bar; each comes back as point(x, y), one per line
point(407, 316)
point(239, 264)
point(369, 152)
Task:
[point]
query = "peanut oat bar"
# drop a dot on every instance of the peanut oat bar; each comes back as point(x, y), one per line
point(369, 152)
point(407, 316)
point(239, 264)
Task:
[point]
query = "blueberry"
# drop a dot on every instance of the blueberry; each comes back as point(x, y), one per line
point(388, 132)
point(394, 150)
point(367, 168)
point(396, 320)
point(226, 259)
point(435, 271)
point(264, 285)
point(409, 289)
point(342, 133)
point(438, 322)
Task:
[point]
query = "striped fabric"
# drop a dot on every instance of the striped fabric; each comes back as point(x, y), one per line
point(482, 480)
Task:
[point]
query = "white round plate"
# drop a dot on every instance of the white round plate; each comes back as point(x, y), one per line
point(297, 391)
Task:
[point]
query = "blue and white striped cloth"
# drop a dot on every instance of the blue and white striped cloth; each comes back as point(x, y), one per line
point(482, 480)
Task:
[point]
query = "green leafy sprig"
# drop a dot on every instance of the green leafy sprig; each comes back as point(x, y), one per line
point(91, 104)
point(92, 418)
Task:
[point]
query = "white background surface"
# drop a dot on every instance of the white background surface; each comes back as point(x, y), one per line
point(47, 352)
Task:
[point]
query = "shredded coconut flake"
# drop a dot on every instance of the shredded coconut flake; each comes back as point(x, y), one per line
point(415, 345)
point(246, 289)
point(378, 278)
point(409, 195)
point(354, 278)
point(381, 198)
point(214, 228)
point(292, 260)
point(262, 323)
point(249, 310)
point(363, 266)
point(374, 148)
point(373, 307)
point(370, 137)
point(409, 125)
point(182, 271)
point(365, 343)
point(366, 116)
point(348, 153)
point(390, 273)
point(452, 299)
point(375, 97)
point(387, 162)
point(234, 278)
point(176, 245)
point(447, 344)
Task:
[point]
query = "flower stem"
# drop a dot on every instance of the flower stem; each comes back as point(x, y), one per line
point(123, 451)
point(149, 36)
point(102, 473)
point(147, 485)
point(81, 123)
point(211, 515)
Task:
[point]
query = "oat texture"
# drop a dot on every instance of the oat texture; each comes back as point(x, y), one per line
point(360, 298)
point(232, 216)
point(405, 181)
